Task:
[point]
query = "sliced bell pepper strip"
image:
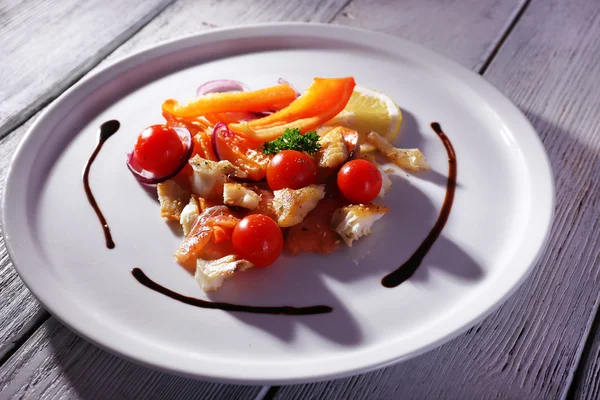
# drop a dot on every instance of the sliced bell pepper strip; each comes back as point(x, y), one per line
point(193, 124)
point(325, 98)
point(257, 101)
point(229, 117)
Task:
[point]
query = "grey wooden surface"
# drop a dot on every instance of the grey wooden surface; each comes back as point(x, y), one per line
point(543, 54)
point(45, 50)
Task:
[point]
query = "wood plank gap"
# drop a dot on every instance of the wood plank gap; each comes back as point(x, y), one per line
point(584, 354)
point(267, 393)
point(342, 8)
point(512, 22)
point(8, 349)
point(13, 122)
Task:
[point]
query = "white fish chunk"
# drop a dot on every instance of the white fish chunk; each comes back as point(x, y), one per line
point(172, 199)
point(408, 159)
point(236, 194)
point(291, 206)
point(334, 150)
point(209, 176)
point(355, 221)
point(386, 182)
point(189, 215)
point(210, 274)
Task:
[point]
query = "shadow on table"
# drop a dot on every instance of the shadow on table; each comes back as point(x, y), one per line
point(302, 282)
point(93, 373)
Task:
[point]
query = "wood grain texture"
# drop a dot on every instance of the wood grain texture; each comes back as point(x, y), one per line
point(19, 310)
point(464, 30)
point(586, 384)
point(187, 16)
point(45, 46)
point(550, 67)
point(57, 364)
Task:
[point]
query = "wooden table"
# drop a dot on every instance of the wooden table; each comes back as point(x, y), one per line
point(544, 343)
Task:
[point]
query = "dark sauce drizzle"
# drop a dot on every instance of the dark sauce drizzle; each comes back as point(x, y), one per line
point(107, 129)
point(142, 278)
point(406, 270)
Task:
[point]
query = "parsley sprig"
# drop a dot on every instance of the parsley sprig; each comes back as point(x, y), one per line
point(292, 139)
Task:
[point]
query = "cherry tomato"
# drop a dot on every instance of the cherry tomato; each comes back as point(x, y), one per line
point(291, 169)
point(159, 149)
point(359, 181)
point(258, 239)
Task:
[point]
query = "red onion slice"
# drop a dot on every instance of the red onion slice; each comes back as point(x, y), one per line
point(282, 81)
point(261, 114)
point(147, 177)
point(220, 129)
point(220, 86)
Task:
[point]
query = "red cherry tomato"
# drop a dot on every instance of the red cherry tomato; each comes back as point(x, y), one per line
point(359, 181)
point(291, 169)
point(158, 149)
point(258, 239)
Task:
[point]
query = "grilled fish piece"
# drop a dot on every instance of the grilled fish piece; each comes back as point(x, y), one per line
point(172, 199)
point(355, 221)
point(236, 194)
point(291, 206)
point(210, 274)
point(210, 176)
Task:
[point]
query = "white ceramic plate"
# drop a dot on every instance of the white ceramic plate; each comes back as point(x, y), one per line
point(498, 225)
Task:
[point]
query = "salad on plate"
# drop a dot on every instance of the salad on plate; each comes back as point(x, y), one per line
point(252, 174)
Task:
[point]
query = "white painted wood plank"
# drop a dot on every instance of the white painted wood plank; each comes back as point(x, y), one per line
point(19, 310)
point(56, 364)
point(187, 16)
point(45, 46)
point(464, 30)
point(550, 67)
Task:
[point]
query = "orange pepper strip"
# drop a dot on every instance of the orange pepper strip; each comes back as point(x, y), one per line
point(193, 124)
point(324, 99)
point(273, 132)
point(323, 95)
point(257, 100)
point(229, 118)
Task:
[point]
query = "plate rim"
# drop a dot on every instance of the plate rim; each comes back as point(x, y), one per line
point(71, 319)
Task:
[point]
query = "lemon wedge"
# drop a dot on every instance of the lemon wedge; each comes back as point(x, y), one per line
point(369, 110)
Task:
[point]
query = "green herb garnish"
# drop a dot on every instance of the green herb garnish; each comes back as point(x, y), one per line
point(292, 139)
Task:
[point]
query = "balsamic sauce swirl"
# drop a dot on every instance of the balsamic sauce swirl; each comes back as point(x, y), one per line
point(106, 130)
point(395, 278)
point(142, 278)
point(406, 270)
